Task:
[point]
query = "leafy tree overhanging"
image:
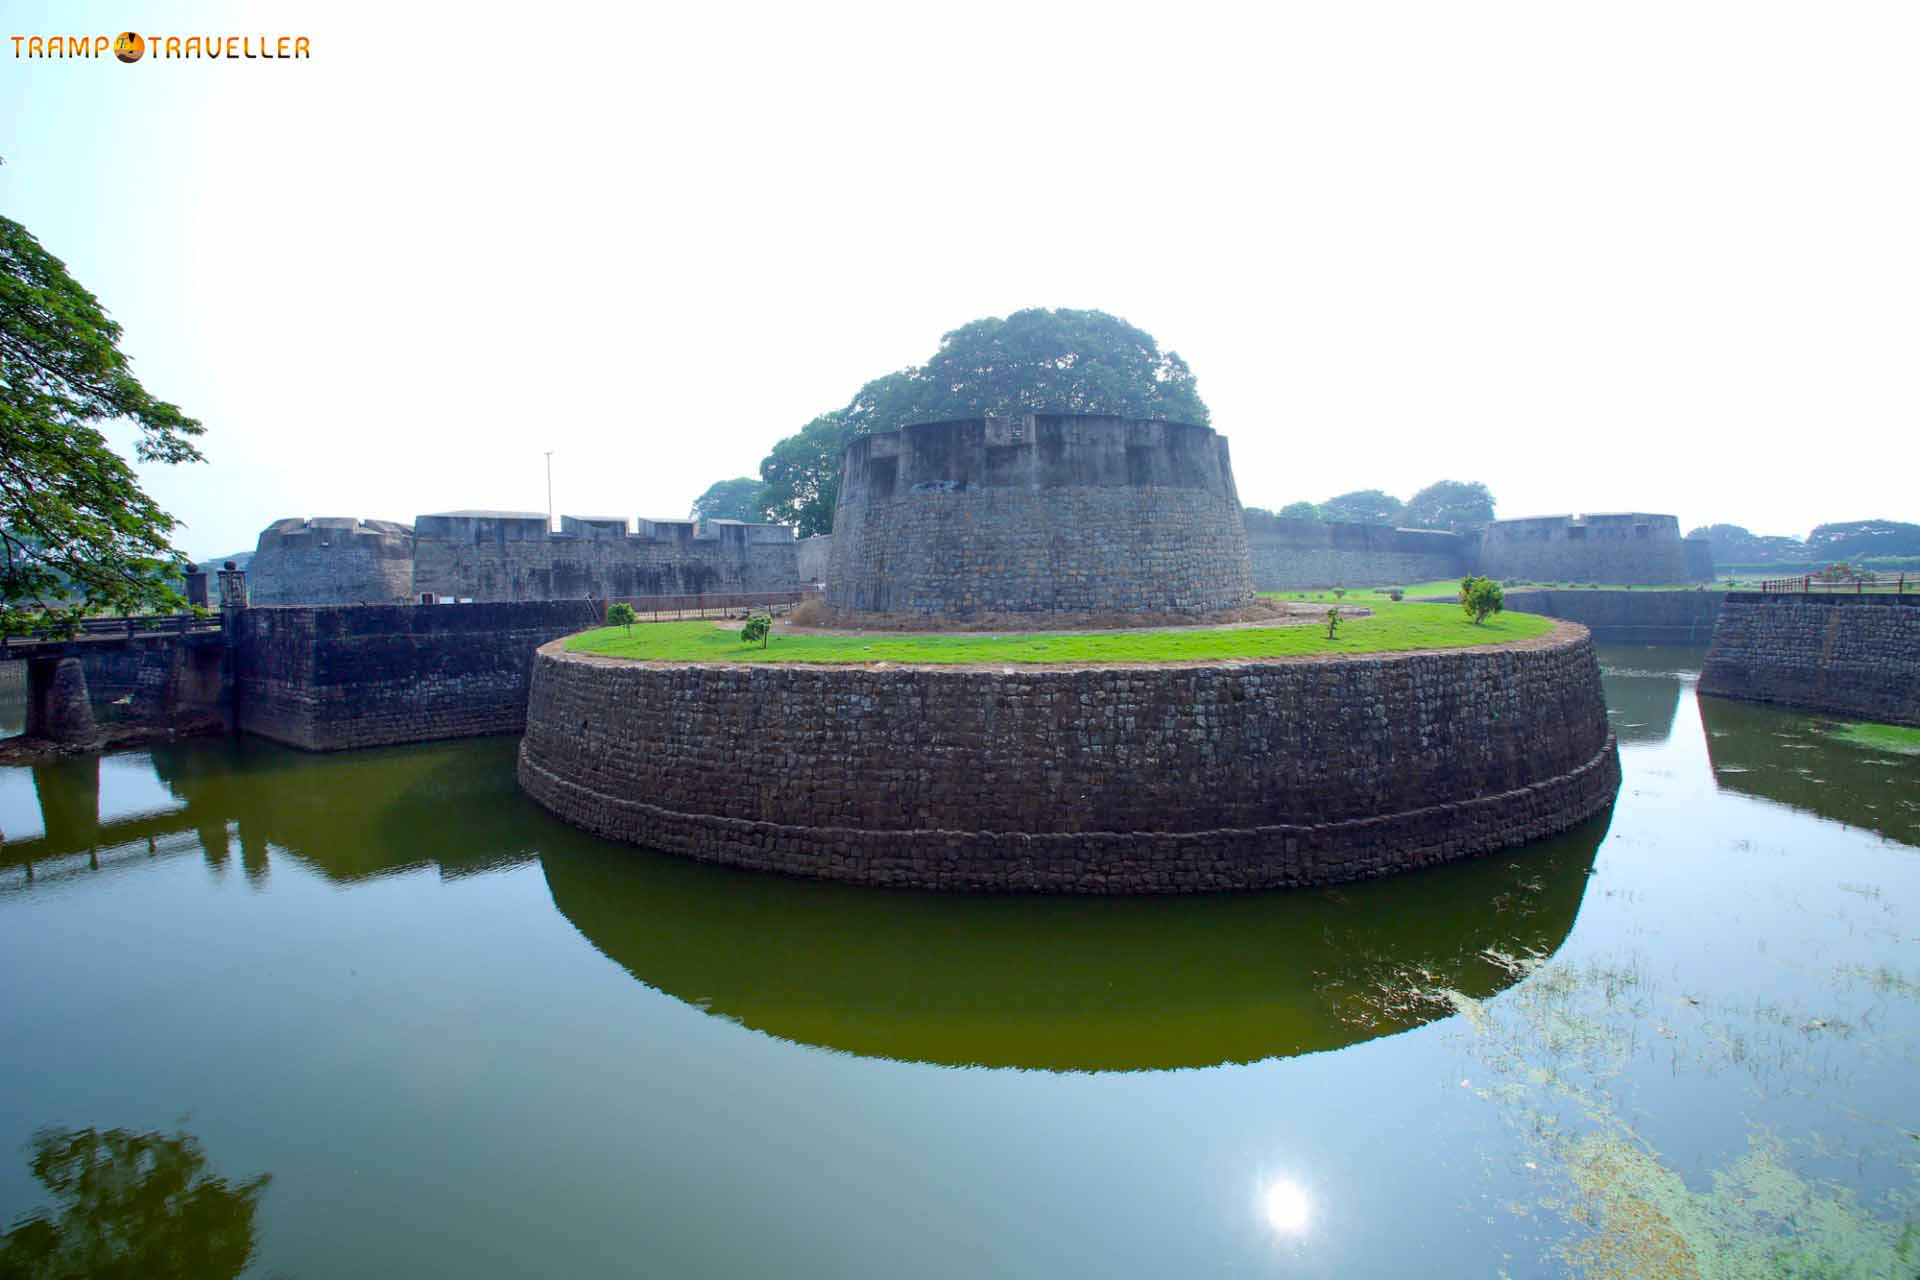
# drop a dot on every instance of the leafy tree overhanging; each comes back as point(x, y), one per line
point(1033, 361)
point(77, 533)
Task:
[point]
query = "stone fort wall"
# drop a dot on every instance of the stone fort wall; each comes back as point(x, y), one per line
point(1290, 553)
point(1175, 778)
point(1039, 513)
point(511, 556)
point(506, 555)
point(1630, 548)
point(1850, 655)
point(332, 560)
point(332, 678)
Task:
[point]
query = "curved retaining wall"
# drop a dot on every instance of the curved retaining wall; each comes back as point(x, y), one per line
point(1044, 513)
point(1151, 779)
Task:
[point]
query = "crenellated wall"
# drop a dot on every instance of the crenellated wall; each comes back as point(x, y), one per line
point(1042, 513)
point(485, 556)
point(333, 560)
point(1163, 778)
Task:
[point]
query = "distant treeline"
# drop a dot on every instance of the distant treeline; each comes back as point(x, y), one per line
point(1872, 544)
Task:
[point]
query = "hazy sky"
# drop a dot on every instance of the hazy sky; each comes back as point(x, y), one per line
point(1627, 256)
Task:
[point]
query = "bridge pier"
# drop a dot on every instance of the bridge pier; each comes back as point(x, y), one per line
point(69, 792)
point(58, 708)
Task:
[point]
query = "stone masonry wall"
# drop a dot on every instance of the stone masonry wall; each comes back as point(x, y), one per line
point(1630, 548)
point(1174, 778)
point(1628, 617)
point(1289, 554)
point(332, 560)
point(182, 682)
point(1854, 656)
point(812, 556)
point(332, 678)
point(1036, 514)
point(509, 556)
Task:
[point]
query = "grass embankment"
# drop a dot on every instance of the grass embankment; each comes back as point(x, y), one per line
point(1450, 588)
point(1393, 628)
point(1881, 737)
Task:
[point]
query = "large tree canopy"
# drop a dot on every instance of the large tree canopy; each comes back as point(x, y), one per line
point(1450, 505)
point(738, 499)
point(1033, 361)
point(77, 533)
point(1367, 506)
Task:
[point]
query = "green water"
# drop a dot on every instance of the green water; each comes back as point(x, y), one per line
point(387, 1018)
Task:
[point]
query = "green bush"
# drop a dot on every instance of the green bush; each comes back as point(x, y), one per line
point(1333, 621)
point(758, 627)
point(1481, 598)
point(621, 614)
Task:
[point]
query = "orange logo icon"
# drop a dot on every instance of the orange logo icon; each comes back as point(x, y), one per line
point(129, 46)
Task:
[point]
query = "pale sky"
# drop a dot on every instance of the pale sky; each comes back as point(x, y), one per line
point(1661, 257)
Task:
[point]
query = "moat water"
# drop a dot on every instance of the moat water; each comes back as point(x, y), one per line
point(460, 1038)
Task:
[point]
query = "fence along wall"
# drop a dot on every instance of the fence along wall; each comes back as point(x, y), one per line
point(1856, 656)
point(1166, 778)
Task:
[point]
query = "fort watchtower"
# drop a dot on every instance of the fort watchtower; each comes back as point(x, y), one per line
point(1039, 513)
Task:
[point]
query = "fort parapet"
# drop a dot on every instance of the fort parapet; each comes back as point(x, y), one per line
point(510, 555)
point(1288, 553)
point(1630, 548)
point(1039, 513)
point(333, 560)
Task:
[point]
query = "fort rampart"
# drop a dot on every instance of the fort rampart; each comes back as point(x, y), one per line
point(1165, 778)
point(1849, 655)
point(333, 560)
point(486, 556)
point(1041, 513)
point(1628, 617)
point(332, 678)
point(1289, 554)
point(1628, 548)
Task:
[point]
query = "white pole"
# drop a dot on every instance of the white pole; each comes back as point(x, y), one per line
point(549, 491)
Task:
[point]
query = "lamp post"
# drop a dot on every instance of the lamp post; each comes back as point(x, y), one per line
point(549, 491)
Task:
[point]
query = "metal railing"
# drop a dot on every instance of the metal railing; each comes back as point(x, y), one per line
point(127, 628)
point(716, 604)
point(1807, 584)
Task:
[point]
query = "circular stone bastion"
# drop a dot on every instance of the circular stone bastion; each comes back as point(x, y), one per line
point(1160, 778)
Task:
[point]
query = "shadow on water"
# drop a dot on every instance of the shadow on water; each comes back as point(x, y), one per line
point(138, 1206)
point(1045, 982)
point(1064, 983)
point(1785, 757)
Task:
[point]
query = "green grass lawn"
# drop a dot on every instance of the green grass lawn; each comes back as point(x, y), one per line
point(1881, 737)
point(1393, 627)
point(1450, 588)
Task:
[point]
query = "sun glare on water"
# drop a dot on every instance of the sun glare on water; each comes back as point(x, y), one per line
point(1285, 1203)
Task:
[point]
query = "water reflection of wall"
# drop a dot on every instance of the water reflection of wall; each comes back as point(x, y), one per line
point(1067, 984)
point(1641, 707)
point(347, 816)
point(1782, 756)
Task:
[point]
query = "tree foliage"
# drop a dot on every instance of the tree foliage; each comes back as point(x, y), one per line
point(1033, 361)
point(134, 1206)
point(1299, 511)
point(77, 533)
point(737, 499)
point(1452, 505)
point(621, 614)
point(1366, 506)
point(758, 627)
point(1481, 598)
